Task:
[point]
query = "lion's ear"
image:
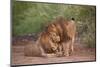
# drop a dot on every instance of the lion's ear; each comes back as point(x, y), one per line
point(73, 19)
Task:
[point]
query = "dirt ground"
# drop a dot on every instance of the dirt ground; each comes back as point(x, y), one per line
point(81, 53)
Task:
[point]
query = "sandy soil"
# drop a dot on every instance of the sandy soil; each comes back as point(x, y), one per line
point(81, 53)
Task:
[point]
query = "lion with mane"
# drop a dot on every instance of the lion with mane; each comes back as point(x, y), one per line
point(58, 38)
point(66, 30)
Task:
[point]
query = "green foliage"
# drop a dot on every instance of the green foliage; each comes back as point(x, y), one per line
point(29, 17)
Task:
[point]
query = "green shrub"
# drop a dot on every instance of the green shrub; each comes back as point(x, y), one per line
point(29, 17)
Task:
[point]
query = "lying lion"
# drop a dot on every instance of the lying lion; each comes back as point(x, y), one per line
point(44, 46)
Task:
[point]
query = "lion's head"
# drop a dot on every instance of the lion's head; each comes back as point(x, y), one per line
point(52, 30)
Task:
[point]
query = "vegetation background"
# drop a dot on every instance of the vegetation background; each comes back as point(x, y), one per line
point(31, 17)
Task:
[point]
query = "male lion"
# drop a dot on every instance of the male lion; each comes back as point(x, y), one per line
point(65, 29)
point(46, 44)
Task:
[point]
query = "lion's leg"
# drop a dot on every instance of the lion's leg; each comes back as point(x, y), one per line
point(60, 48)
point(63, 49)
point(59, 51)
point(67, 48)
point(56, 49)
point(42, 52)
point(72, 44)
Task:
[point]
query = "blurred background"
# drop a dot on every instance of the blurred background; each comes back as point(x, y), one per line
point(32, 17)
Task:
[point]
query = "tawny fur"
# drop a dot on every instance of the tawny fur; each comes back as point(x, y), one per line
point(66, 29)
point(57, 38)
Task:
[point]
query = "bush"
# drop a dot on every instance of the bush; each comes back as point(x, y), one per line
point(28, 17)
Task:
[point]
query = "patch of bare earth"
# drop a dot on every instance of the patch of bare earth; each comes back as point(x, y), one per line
point(81, 53)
